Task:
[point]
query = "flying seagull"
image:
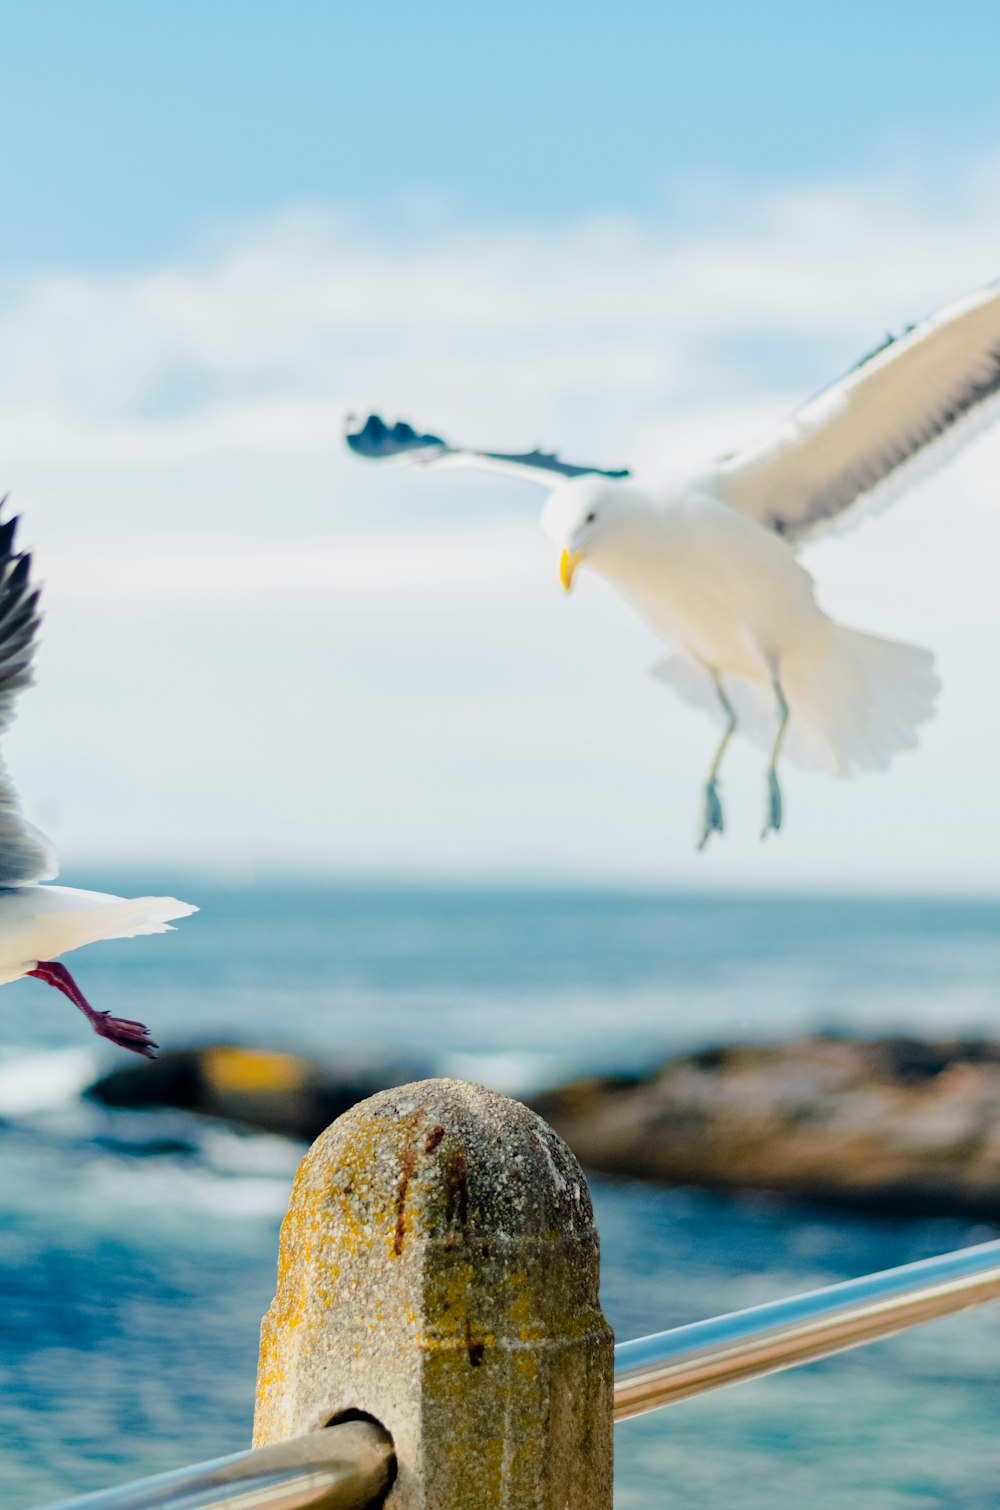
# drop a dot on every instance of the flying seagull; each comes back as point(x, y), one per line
point(710, 563)
point(39, 923)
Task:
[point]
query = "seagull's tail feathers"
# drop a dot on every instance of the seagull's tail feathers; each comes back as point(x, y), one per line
point(51, 920)
point(855, 700)
point(858, 700)
point(137, 915)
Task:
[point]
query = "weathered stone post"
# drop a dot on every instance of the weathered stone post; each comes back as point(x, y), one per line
point(438, 1271)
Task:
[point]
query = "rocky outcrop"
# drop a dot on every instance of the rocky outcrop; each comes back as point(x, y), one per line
point(275, 1092)
point(892, 1125)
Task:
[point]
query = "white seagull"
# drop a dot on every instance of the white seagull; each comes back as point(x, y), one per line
point(710, 562)
point(39, 923)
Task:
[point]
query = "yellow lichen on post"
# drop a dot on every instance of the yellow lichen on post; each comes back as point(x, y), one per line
point(438, 1271)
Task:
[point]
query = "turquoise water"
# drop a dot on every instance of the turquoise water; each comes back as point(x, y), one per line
point(137, 1251)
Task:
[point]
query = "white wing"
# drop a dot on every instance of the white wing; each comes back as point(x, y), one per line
point(377, 441)
point(25, 854)
point(873, 433)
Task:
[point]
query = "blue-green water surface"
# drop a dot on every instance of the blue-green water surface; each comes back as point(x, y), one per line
point(137, 1250)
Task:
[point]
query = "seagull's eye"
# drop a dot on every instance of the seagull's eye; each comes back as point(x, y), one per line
point(590, 519)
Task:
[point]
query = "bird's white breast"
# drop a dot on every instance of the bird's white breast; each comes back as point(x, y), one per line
point(727, 591)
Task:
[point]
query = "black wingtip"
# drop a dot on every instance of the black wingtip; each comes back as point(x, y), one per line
point(377, 441)
point(8, 531)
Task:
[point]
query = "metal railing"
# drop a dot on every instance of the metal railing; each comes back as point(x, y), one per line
point(350, 1466)
point(690, 1360)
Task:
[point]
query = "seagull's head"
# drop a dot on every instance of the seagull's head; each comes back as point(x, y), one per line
point(587, 518)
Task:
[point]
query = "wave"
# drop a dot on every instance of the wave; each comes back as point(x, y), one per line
point(41, 1082)
point(164, 1189)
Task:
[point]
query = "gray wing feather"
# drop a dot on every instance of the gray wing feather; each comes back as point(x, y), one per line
point(377, 441)
point(897, 415)
point(25, 853)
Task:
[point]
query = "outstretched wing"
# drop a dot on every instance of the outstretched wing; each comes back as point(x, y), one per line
point(894, 417)
point(378, 441)
point(25, 854)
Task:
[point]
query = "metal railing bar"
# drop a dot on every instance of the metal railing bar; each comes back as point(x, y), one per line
point(651, 1372)
point(349, 1466)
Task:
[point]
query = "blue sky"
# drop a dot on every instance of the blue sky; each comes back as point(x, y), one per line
point(133, 131)
point(637, 233)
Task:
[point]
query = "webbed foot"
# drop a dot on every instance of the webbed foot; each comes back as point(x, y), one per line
point(772, 813)
point(120, 1030)
point(711, 814)
point(125, 1033)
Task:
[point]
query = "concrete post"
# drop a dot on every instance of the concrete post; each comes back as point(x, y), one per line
point(438, 1271)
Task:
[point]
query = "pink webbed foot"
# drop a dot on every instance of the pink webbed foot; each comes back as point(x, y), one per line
point(126, 1033)
point(120, 1030)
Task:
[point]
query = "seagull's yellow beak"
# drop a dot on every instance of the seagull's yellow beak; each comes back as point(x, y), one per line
point(568, 563)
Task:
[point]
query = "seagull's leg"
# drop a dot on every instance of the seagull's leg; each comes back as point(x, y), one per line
point(711, 807)
point(120, 1030)
point(772, 815)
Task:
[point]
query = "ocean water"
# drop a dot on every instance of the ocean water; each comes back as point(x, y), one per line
point(137, 1250)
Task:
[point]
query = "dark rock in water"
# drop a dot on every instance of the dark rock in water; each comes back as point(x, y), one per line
point(149, 1148)
point(894, 1125)
point(275, 1092)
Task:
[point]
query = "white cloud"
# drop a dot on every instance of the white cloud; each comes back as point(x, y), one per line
point(259, 650)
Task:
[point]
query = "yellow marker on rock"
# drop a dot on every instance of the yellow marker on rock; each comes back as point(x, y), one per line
point(226, 1068)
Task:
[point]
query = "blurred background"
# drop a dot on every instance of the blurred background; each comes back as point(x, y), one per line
point(423, 800)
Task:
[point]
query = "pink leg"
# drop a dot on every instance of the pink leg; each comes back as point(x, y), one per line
point(120, 1030)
